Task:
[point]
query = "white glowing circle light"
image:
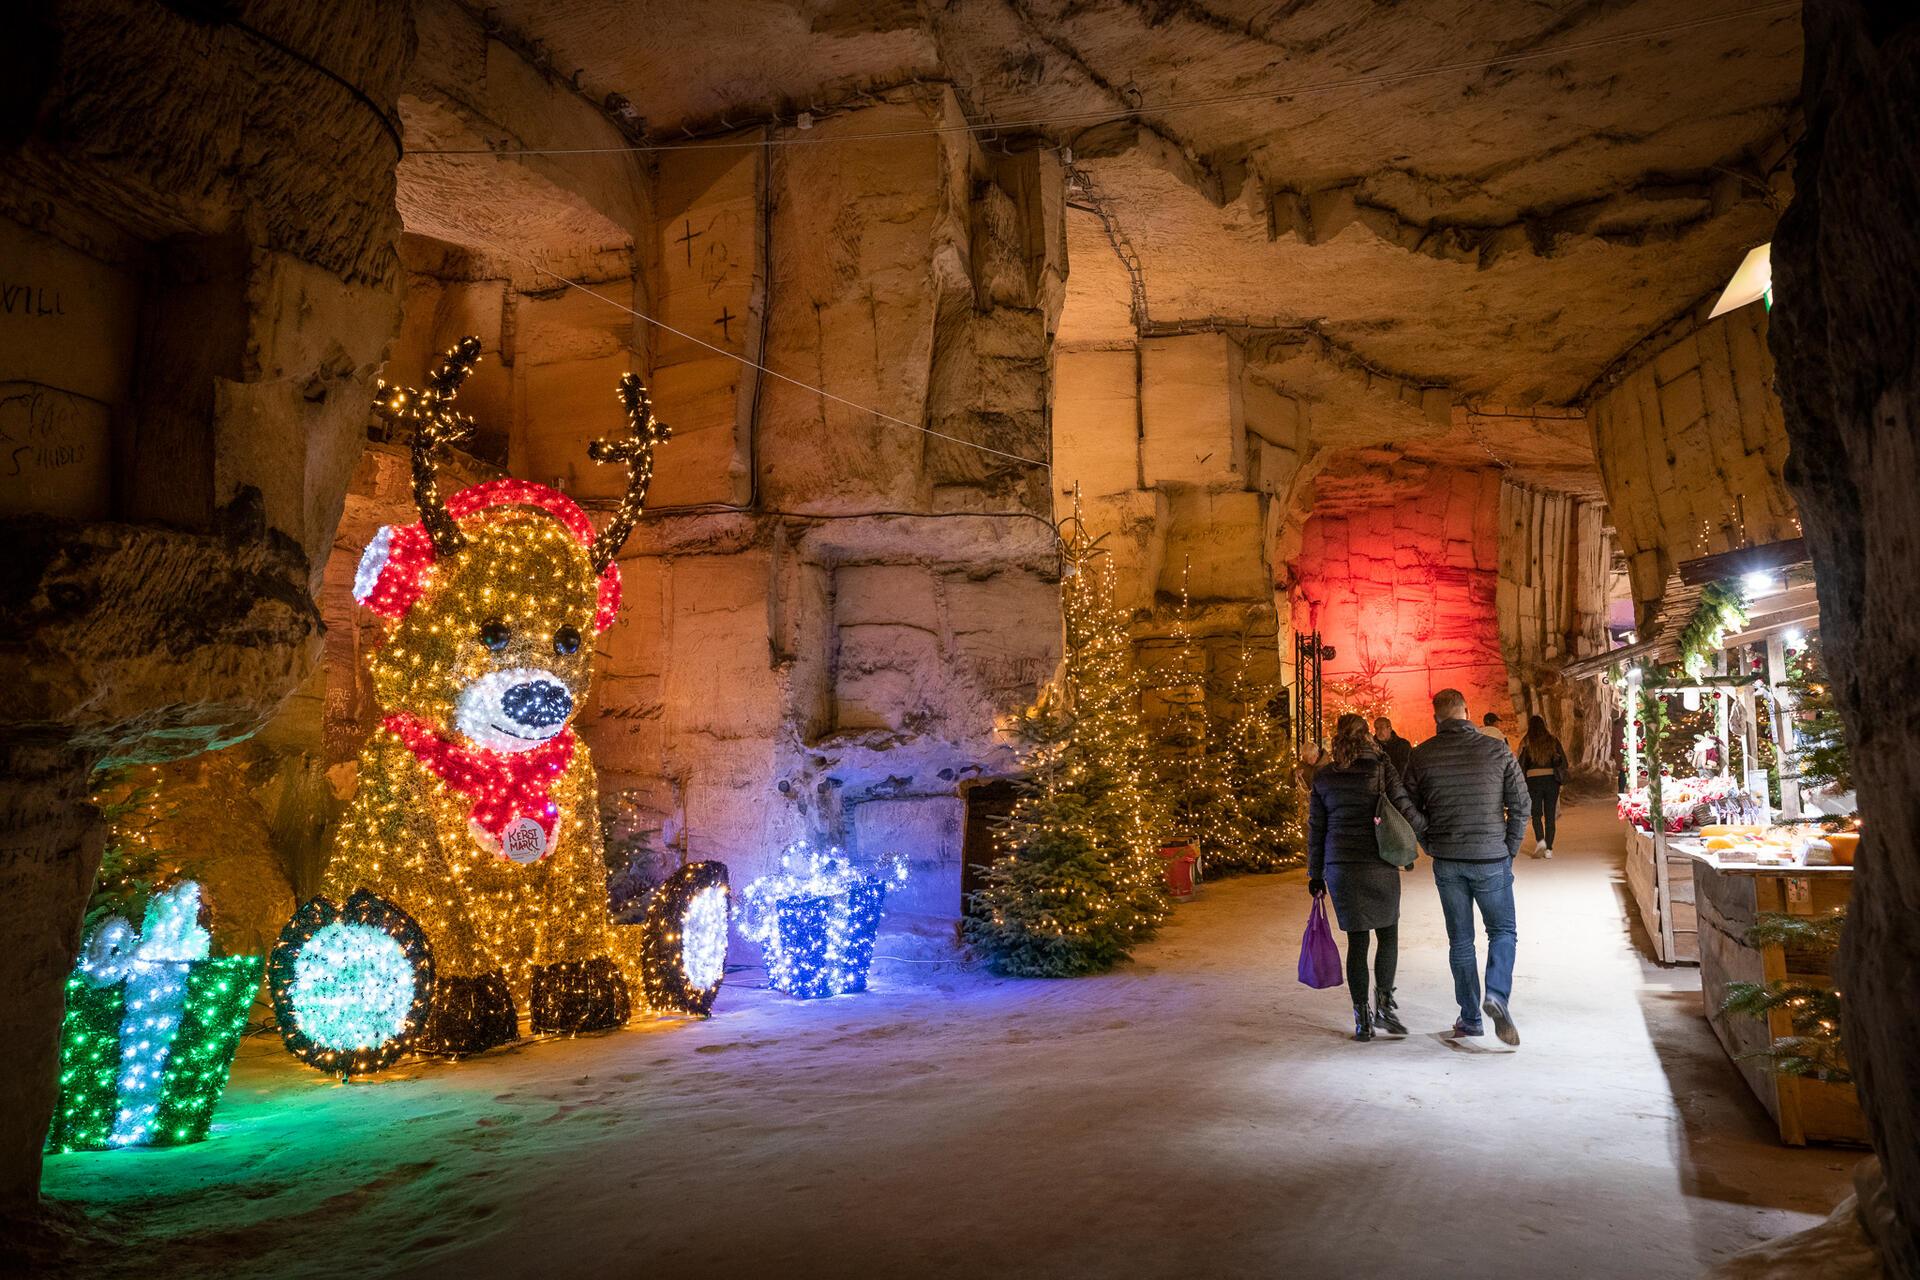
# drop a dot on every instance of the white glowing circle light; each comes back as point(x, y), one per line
point(703, 933)
point(372, 561)
point(353, 987)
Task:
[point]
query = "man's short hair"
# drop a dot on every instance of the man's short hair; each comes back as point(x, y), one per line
point(1449, 704)
point(1491, 718)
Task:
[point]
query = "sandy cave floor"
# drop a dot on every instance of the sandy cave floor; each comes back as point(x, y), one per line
point(1196, 1113)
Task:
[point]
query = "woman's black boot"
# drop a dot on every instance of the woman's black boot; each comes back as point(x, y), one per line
point(1385, 1015)
point(1362, 1023)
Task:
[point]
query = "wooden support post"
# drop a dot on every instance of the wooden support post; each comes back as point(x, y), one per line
point(1783, 735)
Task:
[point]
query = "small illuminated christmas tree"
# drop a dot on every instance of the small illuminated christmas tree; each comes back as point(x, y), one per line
point(1190, 757)
point(1814, 1044)
point(1259, 766)
point(1825, 760)
point(132, 865)
point(1077, 882)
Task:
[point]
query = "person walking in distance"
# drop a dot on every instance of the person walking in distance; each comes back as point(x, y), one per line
point(1544, 761)
point(1490, 725)
point(1343, 857)
point(1469, 788)
point(1397, 749)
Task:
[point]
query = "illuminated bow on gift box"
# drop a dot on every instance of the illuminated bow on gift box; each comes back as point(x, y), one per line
point(153, 963)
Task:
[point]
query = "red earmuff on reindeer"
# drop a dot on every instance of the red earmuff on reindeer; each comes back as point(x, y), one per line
point(470, 862)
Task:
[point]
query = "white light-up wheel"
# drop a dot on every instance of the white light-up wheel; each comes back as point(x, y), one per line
point(684, 946)
point(351, 985)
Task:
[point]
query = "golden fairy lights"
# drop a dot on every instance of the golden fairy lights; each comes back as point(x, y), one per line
point(504, 602)
point(475, 819)
point(636, 451)
point(427, 413)
point(1077, 882)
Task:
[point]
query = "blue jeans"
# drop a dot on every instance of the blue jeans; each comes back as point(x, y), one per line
point(1461, 885)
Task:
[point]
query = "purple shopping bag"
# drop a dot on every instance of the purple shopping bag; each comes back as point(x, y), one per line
point(1319, 956)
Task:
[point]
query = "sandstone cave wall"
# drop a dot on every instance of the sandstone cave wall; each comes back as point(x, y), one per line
point(1692, 447)
point(831, 661)
point(198, 238)
point(825, 613)
point(1555, 561)
point(1847, 306)
point(1162, 445)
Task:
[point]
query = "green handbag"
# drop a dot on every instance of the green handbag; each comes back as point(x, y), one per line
point(1392, 832)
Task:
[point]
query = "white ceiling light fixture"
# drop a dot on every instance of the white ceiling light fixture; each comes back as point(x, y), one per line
point(1752, 282)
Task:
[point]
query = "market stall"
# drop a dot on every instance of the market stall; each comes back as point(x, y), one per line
point(1740, 826)
point(1661, 806)
point(1709, 706)
point(1744, 881)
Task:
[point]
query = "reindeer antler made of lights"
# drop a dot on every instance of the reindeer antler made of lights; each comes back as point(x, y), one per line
point(429, 416)
point(636, 451)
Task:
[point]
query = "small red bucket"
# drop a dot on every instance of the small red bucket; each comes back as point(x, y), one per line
point(1180, 860)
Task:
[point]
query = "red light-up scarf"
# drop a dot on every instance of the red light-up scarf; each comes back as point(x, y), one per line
point(504, 787)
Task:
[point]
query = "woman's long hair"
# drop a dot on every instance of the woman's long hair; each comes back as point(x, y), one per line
point(1351, 740)
point(1540, 742)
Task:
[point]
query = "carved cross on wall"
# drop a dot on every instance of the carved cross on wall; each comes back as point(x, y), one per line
point(687, 238)
point(725, 322)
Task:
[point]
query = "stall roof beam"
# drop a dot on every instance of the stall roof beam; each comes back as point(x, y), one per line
point(1765, 558)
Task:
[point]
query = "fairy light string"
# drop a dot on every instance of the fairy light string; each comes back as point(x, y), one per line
point(470, 861)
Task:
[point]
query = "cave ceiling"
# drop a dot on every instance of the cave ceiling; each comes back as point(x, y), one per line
point(1504, 232)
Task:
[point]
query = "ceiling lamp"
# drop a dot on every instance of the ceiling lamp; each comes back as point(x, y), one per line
point(1753, 281)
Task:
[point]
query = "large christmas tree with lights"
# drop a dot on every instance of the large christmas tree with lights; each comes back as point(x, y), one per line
point(1078, 882)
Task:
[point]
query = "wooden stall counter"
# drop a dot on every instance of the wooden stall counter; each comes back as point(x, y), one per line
point(1728, 897)
point(1661, 886)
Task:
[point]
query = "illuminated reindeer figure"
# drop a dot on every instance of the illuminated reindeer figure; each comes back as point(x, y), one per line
point(467, 881)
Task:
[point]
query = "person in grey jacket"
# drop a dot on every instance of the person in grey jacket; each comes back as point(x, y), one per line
point(1474, 797)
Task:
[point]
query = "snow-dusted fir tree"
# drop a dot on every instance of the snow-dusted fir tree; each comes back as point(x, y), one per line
point(1077, 882)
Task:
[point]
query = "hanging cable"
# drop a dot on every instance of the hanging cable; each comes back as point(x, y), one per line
point(225, 15)
point(1108, 115)
point(775, 373)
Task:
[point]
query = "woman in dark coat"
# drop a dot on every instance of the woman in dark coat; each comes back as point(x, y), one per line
point(1343, 858)
point(1544, 761)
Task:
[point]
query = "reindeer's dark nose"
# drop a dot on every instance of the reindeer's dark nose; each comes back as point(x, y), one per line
point(537, 704)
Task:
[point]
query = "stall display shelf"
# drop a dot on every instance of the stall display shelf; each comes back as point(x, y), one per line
point(1730, 896)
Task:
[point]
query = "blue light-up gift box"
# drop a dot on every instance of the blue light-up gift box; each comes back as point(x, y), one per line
point(816, 920)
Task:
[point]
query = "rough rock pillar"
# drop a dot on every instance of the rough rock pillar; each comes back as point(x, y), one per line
point(1847, 297)
point(197, 234)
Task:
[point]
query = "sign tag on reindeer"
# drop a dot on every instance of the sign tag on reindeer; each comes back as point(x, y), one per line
point(523, 840)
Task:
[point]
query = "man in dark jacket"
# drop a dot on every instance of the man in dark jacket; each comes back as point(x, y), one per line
point(1395, 747)
point(1474, 797)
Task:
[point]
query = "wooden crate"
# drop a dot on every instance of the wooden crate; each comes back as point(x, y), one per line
point(1729, 900)
point(1663, 896)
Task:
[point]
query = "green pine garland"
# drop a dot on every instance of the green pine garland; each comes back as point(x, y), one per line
point(1814, 1049)
point(1722, 608)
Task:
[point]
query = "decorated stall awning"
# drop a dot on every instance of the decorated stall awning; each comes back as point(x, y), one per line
point(1777, 579)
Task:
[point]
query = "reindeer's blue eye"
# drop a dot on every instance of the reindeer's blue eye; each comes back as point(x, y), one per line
point(566, 639)
point(494, 634)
